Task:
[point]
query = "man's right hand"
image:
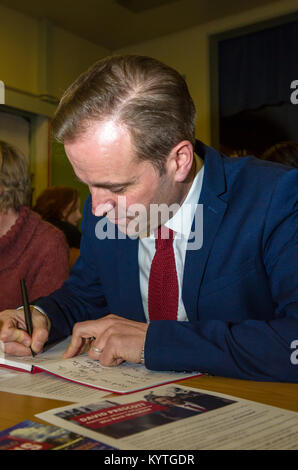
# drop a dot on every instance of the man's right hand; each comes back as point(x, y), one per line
point(15, 337)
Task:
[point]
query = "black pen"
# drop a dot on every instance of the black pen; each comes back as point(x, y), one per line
point(27, 311)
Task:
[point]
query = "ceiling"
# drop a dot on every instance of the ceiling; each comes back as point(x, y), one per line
point(114, 24)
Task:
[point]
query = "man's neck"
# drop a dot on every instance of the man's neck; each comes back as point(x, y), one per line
point(196, 166)
point(7, 220)
point(184, 190)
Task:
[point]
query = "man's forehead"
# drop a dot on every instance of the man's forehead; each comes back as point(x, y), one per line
point(107, 132)
point(102, 141)
point(110, 131)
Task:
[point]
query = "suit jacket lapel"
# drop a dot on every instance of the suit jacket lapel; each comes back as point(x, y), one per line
point(213, 211)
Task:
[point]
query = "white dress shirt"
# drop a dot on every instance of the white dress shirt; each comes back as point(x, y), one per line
point(181, 224)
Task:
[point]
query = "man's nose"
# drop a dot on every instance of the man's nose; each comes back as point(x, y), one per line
point(102, 202)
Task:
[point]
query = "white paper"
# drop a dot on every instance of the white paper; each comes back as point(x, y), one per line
point(225, 423)
point(46, 386)
point(126, 377)
point(52, 354)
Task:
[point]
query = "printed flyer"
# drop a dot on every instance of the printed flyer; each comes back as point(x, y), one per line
point(30, 435)
point(175, 417)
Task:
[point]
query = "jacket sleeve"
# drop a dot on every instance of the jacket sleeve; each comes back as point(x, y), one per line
point(252, 349)
point(81, 297)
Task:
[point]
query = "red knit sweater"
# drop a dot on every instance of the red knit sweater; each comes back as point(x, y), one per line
point(36, 251)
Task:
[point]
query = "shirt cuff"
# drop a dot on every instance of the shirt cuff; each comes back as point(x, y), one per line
point(35, 306)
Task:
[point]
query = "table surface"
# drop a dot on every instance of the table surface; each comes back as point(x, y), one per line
point(16, 408)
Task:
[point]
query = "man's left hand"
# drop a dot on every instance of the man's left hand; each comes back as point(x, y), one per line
point(116, 339)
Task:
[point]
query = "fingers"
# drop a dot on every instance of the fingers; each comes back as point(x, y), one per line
point(116, 340)
point(78, 348)
point(81, 334)
point(83, 331)
point(13, 327)
point(16, 349)
point(13, 332)
point(120, 347)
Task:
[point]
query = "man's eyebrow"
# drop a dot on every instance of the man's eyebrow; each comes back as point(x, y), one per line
point(107, 184)
point(110, 185)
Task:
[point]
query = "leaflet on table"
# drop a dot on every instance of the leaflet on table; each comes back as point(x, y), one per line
point(175, 417)
point(30, 435)
point(46, 386)
point(81, 369)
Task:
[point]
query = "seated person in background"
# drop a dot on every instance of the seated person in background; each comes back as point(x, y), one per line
point(283, 152)
point(60, 206)
point(29, 247)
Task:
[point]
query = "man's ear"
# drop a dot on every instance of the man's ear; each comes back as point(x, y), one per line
point(181, 160)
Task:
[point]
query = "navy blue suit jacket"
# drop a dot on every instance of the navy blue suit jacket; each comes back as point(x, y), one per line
point(239, 290)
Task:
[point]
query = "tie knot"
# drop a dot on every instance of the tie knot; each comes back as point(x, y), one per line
point(164, 237)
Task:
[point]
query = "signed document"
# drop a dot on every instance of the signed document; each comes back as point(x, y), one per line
point(81, 369)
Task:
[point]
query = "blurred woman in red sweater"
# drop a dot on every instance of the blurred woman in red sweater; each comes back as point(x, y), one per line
point(30, 248)
point(60, 206)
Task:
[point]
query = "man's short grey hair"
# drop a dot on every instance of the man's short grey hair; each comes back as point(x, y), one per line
point(149, 98)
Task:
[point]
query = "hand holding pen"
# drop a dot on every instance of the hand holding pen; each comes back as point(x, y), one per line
point(18, 333)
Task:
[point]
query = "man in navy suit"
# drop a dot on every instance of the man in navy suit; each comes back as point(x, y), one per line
point(128, 129)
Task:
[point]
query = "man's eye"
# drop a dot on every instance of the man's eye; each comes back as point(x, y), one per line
point(119, 190)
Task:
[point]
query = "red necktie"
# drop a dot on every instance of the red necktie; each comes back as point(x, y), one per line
point(163, 283)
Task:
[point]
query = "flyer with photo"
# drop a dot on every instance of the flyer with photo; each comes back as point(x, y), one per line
point(174, 417)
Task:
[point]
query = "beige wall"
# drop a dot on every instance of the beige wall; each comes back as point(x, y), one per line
point(20, 54)
point(71, 55)
point(18, 46)
point(188, 52)
point(38, 58)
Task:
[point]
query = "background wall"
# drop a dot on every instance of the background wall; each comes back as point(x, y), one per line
point(37, 58)
point(37, 62)
point(25, 41)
